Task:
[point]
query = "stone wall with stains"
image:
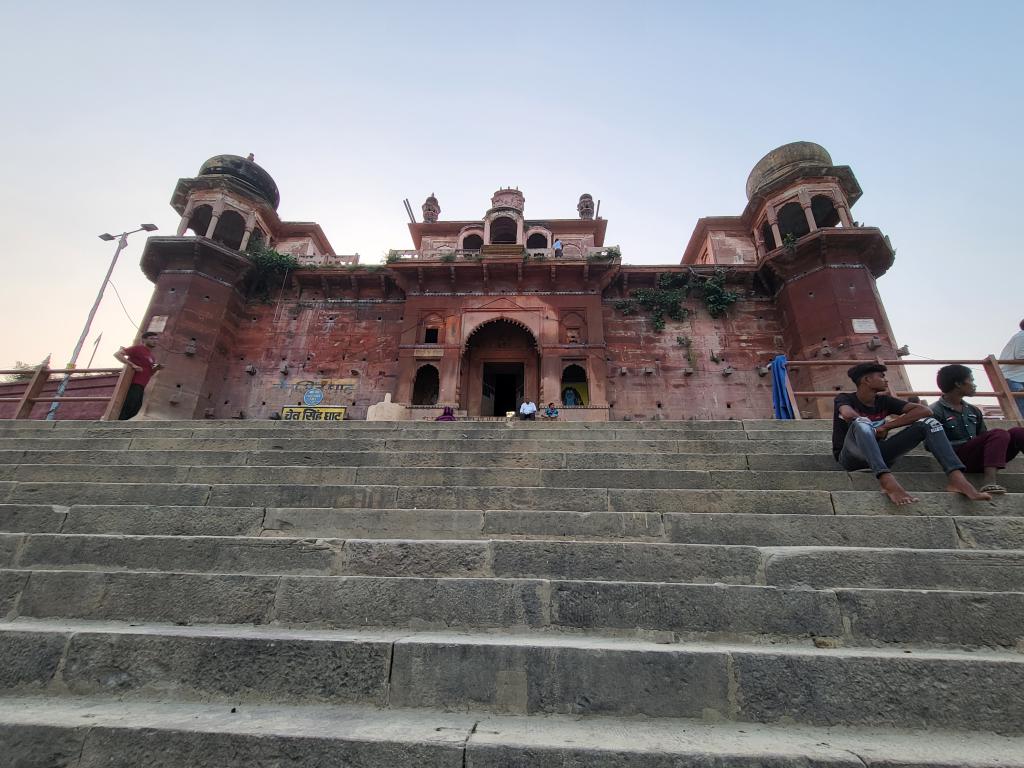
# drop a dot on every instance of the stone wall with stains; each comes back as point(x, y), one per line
point(652, 375)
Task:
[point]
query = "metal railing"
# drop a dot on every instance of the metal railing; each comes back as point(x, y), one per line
point(607, 253)
point(1000, 388)
point(33, 392)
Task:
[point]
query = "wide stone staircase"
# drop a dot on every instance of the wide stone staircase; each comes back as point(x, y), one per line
point(490, 595)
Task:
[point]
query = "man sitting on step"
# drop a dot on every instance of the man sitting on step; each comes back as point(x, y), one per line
point(860, 429)
point(980, 448)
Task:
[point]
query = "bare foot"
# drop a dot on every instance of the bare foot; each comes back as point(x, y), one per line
point(959, 484)
point(897, 493)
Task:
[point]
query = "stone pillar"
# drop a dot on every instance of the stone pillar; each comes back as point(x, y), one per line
point(250, 224)
point(759, 243)
point(810, 217)
point(844, 215)
point(520, 229)
point(183, 225)
point(218, 209)
point(775, 228)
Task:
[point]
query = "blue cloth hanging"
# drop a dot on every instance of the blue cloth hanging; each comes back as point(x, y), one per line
point(780, 393)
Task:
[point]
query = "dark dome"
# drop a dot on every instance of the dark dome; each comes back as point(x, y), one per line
point(787, 160)
point(246, 172)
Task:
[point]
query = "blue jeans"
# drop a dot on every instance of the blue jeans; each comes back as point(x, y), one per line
point(1017, 386)
point(862, 449)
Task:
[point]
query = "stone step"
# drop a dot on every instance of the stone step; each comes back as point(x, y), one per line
point(854, 616)
point(522, 674)
point(694, 431)
point(11, 425)
point(782, 529)
point(511, 459)
point(235, 445)
point(87, 732)
point(816, 567)
point(480, 477)
point(658, 501)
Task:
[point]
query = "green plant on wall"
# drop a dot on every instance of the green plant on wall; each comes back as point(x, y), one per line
point(665, 300)
point(717, 298)
point(448, 257)
point(269, 270)
point(392, 256)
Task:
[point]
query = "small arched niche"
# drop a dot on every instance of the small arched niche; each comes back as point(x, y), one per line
point(504, 230)
point(426, 386)
point(824, 210)
point(230, 229)
point(537, 240)
point(793, 221)
point(473, 242)
point(575, 391)
point(768, 236)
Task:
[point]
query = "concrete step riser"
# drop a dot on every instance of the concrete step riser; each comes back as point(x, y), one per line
point(46, 732)
point(470, 498)
point(835, 480)
point(523, 678)
point(674, 527)
point(534, 460)
point(849, 616)
point(820, 568)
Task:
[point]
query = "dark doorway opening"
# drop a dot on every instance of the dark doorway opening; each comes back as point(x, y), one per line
point(503, 388)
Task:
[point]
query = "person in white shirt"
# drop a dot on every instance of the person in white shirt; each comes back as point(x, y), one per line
point(528, 410)
point(1014, 350)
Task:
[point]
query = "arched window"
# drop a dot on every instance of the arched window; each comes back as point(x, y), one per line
point(503, 230)
point(575, 391)
point(824, 210)
point(427, 386)
point(769, 237)
point(472, 243)
point(230, 229)
point(199, 221)
point(793, 221)
point(537, 240)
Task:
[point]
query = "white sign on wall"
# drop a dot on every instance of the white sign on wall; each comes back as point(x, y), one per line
point(864, 325)
point(157, 324)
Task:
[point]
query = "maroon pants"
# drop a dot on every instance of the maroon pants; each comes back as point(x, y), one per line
point(991, 449)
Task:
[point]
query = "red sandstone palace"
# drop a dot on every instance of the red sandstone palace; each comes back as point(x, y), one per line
point(483, 313)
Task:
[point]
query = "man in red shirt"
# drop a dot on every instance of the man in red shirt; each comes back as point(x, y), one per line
point(140, 358)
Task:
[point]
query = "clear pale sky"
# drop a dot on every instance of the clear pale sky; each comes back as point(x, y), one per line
point(658, 109)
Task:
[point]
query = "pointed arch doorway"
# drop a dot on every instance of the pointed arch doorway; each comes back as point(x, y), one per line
point(500, 368)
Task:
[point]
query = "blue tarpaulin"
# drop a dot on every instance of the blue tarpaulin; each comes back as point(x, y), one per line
point(780, 393)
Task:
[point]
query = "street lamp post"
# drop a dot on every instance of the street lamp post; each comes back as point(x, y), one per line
point(122, 241)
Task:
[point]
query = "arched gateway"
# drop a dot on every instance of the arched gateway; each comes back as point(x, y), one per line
point(500, 368)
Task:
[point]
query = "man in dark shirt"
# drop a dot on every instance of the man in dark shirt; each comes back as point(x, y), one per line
point(140, 358)
point(860, 428)
point(981, 449)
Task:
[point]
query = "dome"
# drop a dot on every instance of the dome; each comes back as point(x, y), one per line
point(787, 160)
point(245, 171)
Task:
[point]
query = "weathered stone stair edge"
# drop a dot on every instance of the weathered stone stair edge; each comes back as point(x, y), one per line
point(12, 460)
point(817, 567)
point(549, 675)
point(711, 611)
point(947, 531)
point(583, 499)
point(45, 731)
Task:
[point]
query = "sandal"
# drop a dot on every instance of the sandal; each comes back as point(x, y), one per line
point(992, 488)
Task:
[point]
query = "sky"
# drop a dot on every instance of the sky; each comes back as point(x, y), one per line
point(658, 109)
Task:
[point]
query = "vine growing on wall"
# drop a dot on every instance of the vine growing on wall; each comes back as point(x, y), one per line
point(665, 300)
point(269, 269)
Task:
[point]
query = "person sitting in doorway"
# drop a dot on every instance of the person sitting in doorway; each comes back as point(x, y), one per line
point(446, 415)
point(981, 449)
point(550, 412)
point(860, 435)
point(528, 411)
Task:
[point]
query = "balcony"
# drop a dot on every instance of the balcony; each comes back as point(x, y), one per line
point(504, 252)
